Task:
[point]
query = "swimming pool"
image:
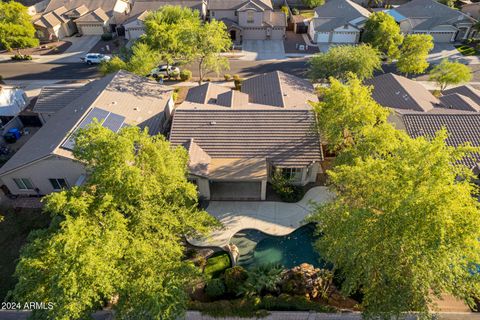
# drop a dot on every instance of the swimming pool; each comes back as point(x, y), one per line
point(257, 248)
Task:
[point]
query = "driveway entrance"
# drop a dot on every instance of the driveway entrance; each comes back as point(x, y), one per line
point(263, 49)
point(235, 190)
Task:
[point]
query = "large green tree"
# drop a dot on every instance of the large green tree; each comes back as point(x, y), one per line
point(141, 60)
point(346, 111)
point(338, 61)
point(404, 207)
point(16, 28)
point(118, 237)
point(313, 3)
point(383, 33)
point(450, 73)
point(211, 39)
point(414, 53)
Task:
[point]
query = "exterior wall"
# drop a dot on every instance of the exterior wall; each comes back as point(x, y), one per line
point(91, 28)
point(39, 173)
point(203, 187)
point(223, 14)
point(134, 30)
point(277, 33)
point(311, 31)
point(257, 19)
point(254, 33)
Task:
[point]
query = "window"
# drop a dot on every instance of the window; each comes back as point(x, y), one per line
point(212, 13)
point(58, 184)
point(23, 183)
point(250, 18)
point(293, 174)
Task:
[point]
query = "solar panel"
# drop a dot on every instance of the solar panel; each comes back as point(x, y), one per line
point(114, 122)
point(95, 113)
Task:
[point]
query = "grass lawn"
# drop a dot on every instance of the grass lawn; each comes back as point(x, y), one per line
point(216, 264)
point(14, 229)
point(307, 13)
point(467, 50)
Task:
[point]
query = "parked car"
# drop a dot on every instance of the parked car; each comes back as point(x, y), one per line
point(162, 70)
point(95, 58)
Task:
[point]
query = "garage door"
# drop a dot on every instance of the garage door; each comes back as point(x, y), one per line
point(442, 36)
point(344, 37)
point(91, 29)
point(322, 37)
point(235, 190)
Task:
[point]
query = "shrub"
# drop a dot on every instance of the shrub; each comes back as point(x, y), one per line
point(227, 77)
point(215, 288)
point(284, 10)
point(261, 280)
point(185, 75)
point(305, 280)
point(217, 264)
point(295, 11)
point(107, 36)
point(174, 75)
point(285, 189)
point(237, 81)
point(285, 302)
point(21, 57)
point(234, 278)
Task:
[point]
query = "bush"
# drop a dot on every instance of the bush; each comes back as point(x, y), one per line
point(185, 75)
point(237, 81)
point(215, 288)
point(174, 75)
point(285, 302)
point(284, 10)
point(217, 264)
point(227, 77)
point(234, 278)
point(107, 36)
point(261, 280)
point(21, 57)
point(295, 11)
point(285, 189)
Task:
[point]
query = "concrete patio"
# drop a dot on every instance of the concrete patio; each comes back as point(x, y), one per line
point(274, 218)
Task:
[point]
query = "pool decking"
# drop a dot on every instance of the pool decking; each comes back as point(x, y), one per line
point(270, 217)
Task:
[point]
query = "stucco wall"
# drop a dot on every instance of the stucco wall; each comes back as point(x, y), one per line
point(39, 173)
point(257, 19)
point(223, 14)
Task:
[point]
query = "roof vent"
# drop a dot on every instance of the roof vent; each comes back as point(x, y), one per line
point(397, 93)
point(114, 103)
point(212, 123)
point(136, 108)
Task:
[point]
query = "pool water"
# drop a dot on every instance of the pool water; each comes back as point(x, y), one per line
point(257, 248)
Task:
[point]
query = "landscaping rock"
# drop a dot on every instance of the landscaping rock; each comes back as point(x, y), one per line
point(306, 280)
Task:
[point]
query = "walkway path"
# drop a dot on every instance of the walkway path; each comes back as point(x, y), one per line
point(274, 218)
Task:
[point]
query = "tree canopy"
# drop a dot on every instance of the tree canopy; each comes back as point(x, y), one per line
point(16, 28)
point(119, 236)
point(338, 61)
point(313, 3)
point(403, 208)
point(383, 33)
point(450, 72)
point(414, 53)
point(345, 111)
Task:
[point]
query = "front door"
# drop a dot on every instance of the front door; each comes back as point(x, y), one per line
point(233, 35)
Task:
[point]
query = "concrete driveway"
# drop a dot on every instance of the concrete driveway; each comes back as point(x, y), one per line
point(80, 46)
point(448, 51)
point(263, 50)
point(274, 218)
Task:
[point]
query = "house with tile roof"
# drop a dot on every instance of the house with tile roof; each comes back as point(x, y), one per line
point(134, 26)
point(237, 140)
point(63, 18)
point(249, 19)
point(338, 21)
point(443, 23)
point(45, 163)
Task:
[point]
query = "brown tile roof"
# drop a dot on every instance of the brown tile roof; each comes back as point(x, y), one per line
point(97, 15)
point(198, 159)
point(232, 98)
point(228, 169)
point(237, 4)
point(459, 102)
point(394, 91)
point(467, 91)
point(52, 18)
point(205, 93)
point(279, 89)
point(461, 128)
point(284, 136)
point(140, 101)
point(141, 6)
point(52, 99)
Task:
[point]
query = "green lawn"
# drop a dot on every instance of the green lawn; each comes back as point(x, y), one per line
point(307, 13)
point(14, 230)
point(467, 50)
point(217, 264)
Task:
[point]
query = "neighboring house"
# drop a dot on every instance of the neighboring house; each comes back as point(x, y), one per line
point(249, 19)
point(238, 140)
point(443, 23)
point(54, 25)
point(46, 164)
point(338, 21)
point(405, 95)
point(134, 26)
point(62, 18)
point(12, 102)
point(54, 98)
point(472, 9)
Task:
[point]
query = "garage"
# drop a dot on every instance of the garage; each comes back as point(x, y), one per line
point(442, 36)
point(91, 29)
point(224, 190)
point(323, 37)
point(344, 37)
